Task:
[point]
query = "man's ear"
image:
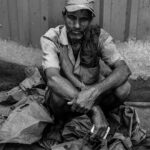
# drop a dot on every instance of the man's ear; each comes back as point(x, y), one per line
point(64, 17)
point(63, 12)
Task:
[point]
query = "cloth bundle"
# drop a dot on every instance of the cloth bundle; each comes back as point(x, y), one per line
point(125, 132)
point(23, 117)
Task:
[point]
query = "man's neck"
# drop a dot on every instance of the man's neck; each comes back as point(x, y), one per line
point(76, 46)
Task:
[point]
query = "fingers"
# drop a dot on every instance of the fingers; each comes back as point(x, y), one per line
point(70, 103)
point(107, 132)
point(101, 132)
point(76, 108)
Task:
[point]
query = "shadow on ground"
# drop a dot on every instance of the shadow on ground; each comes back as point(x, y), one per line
point(11, 75)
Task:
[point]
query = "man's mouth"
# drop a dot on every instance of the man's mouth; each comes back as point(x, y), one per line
point(76, 32)
point(76, 35)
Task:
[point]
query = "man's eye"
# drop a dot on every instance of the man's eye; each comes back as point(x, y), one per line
point(84, 19)
point(71, 17)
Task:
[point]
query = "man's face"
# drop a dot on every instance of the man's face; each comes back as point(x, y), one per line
point(77, 22)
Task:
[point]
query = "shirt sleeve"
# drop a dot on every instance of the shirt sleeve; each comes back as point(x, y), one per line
point(109, 52)
point(50, 54)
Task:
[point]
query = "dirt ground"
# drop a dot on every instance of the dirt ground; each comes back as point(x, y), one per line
point(137, 56)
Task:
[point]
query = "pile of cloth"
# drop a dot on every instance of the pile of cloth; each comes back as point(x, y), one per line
point(44, 133)
point(125, 133)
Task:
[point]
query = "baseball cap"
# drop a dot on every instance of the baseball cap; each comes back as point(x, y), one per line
point(74, 5)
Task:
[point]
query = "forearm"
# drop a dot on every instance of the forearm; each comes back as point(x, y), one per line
point(118, 76)
point(96, 115)
point(62, 87)
point(76, 82)
point(68, 70)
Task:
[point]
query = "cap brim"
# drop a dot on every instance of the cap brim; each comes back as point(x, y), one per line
point(72, 8)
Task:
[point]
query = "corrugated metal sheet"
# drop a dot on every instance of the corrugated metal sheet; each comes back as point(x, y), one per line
point(26, 20)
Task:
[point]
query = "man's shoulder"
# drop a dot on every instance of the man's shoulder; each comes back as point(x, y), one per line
point(100, 32)
point(98, 29)
point(95, 29)
point(104, 36)
point(53, 33)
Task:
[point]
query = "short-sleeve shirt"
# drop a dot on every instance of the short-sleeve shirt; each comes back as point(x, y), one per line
point(109, 52)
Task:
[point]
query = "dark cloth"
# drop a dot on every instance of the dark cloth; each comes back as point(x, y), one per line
point(20, 147)
point(124, 125)
point(125, 134)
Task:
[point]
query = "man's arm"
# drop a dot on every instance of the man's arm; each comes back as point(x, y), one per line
point(67, 68)
point(118, 76)
point(60, 85)
point(111, 56)
point(51, 65)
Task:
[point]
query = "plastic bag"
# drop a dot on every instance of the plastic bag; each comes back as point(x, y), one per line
point(25, 123)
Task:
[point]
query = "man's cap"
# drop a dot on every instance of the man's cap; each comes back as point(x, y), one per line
point(74, 5)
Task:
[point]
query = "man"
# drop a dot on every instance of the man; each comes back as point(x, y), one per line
point(72, 56)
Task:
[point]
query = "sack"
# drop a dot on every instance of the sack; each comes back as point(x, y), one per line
point(73, 145)
point(34, 78)
point(117, 145)
point(25, 123)
point(81, 144)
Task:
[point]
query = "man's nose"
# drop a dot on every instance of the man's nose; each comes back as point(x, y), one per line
point(77, 24)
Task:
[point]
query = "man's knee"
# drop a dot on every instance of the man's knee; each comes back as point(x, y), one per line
point(123, 91)
point(105, 70)
point(56, 105)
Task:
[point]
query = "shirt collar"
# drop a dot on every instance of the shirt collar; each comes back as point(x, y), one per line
point(63, 39)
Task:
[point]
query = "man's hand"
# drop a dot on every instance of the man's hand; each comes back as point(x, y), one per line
point(100, 123)
point(85, 100)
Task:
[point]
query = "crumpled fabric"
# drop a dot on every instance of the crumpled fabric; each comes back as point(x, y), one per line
point(77, 128)
point(144, 145)
point(23, 103)
point(51, 136)
point(81, 144)
point(129, 124)
point(125, 128)
point(25, 123)
point(29, 86)
point(34, 78)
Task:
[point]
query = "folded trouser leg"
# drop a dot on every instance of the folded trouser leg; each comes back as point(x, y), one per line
point(108, 101)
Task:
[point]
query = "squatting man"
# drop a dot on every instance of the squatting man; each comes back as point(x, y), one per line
point(84, 70)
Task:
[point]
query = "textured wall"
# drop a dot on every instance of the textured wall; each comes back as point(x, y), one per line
point(26, 20)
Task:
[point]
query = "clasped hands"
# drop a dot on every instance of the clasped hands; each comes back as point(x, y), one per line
point(84, 101)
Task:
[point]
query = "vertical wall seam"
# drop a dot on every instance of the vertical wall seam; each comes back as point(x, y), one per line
point(101, 13)
point(111, 16)
point(139, 1)
point(9, 24)
point(127, 21)
point(29, 22)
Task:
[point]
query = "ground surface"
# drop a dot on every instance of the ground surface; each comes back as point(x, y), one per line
point(137, 56)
